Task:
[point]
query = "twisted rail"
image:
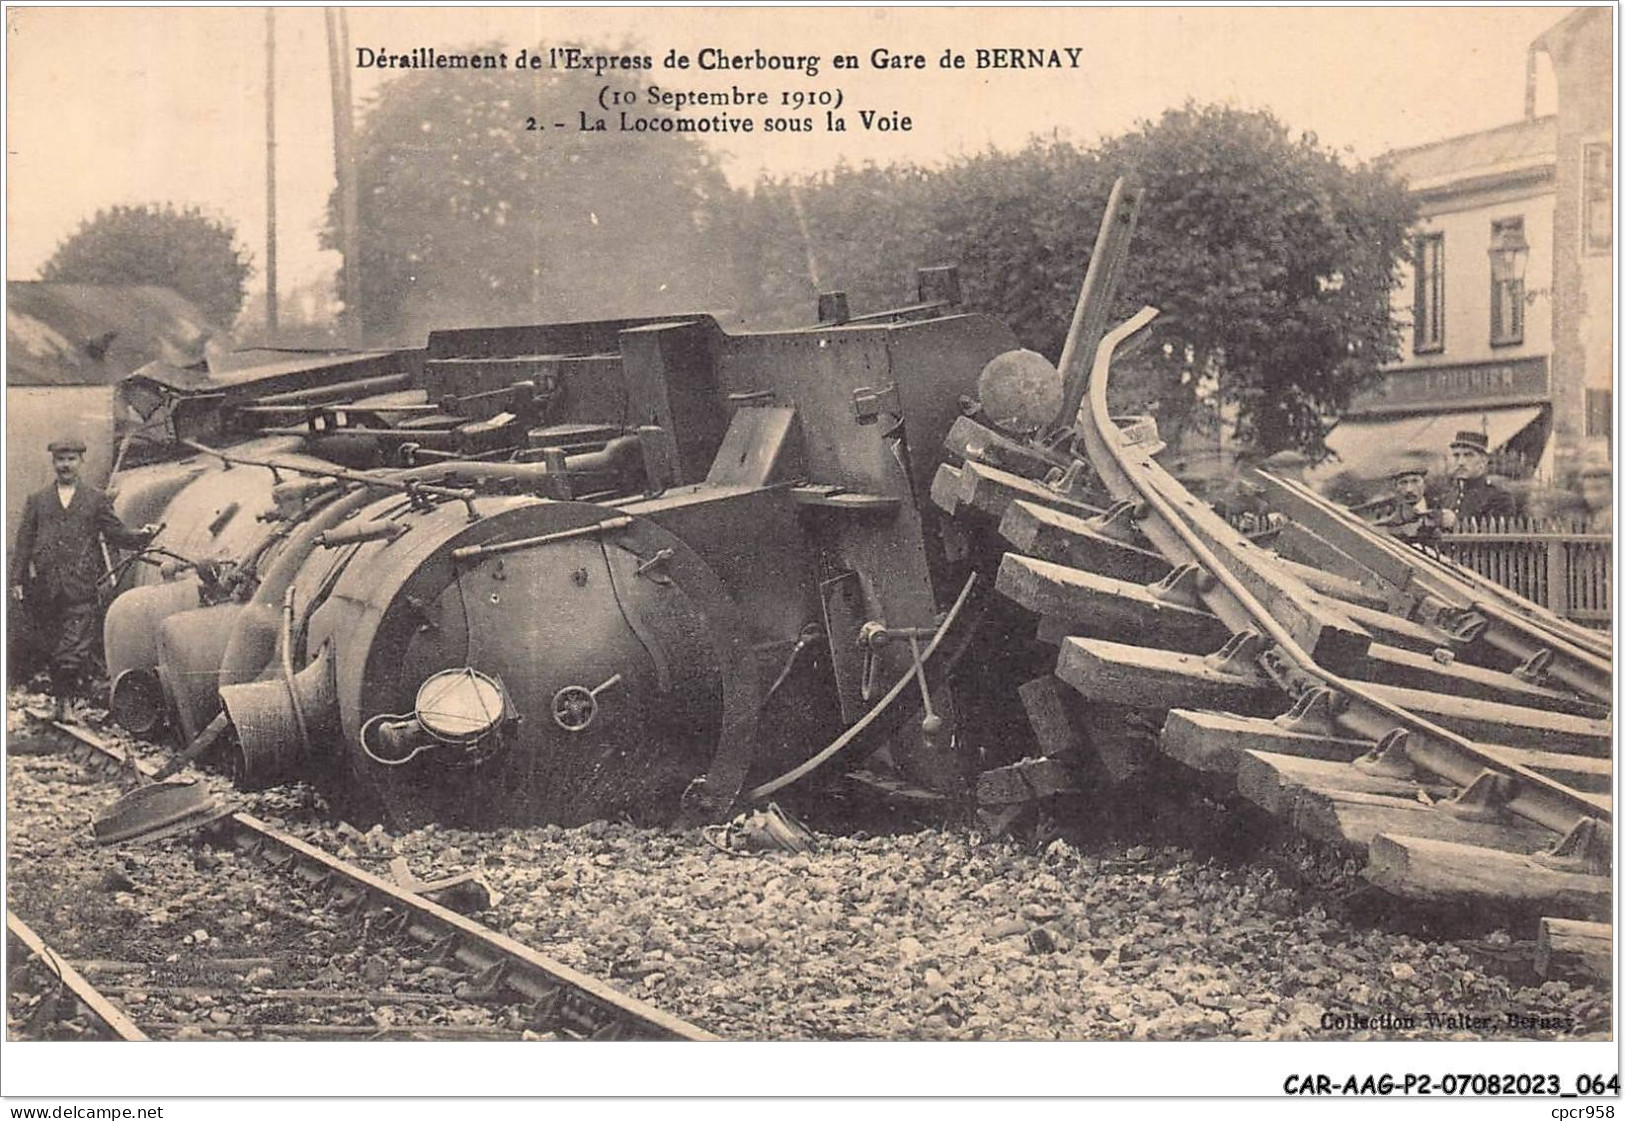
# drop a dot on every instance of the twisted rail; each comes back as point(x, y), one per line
point(1232, 578)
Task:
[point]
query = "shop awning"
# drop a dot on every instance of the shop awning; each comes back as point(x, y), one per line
point(1369, 449)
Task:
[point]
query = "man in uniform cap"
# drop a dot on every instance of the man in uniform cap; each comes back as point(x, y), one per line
point(1474, 496)
point(57, 562)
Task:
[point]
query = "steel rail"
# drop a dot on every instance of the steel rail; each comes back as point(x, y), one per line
point(1089, 317)
point(582, 1003)
point(83, 991)
point(1412, 567)
point(1472, 584)
point(1140, 479)
point(1432, 587)
point(1584, 637)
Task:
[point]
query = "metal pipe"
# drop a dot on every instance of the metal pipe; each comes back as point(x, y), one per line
point(338, 391)
point(362, 477)
point(608, 458)
point(415, 436)
point(472, 552)
point(287, 670)
point(302, 410)
point(356, 534)
point(245, 656)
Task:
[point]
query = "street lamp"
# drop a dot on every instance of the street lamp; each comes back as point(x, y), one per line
point(1509, 253)
point(1509, 261)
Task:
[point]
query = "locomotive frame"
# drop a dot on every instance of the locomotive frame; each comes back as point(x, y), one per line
point(691, 563)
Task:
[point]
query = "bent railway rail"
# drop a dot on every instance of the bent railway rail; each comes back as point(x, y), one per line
point(115, 1024)
point(1366, 693)
point(565, 1001)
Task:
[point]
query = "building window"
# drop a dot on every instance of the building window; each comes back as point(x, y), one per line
point(1600, 412)
point(1429, 294)
point(1598, 206)
point(1509, 255)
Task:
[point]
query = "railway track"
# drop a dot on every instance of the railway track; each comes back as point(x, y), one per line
point(440, 974)
point(1456, 739)
point(54, 983)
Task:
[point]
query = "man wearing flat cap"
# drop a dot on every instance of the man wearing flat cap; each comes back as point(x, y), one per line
point(57, 562)
point(1410, 515)
point(1473, 496)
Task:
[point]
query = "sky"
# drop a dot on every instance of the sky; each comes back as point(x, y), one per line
point(111, 106)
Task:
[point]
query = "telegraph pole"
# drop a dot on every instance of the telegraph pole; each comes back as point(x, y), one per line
point(270, 174)
point(338, 50)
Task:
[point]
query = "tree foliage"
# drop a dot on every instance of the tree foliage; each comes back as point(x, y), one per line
point(1270, 259)
point(185, 250)
point(857, 229)
point(468, 213)
point(1272, 264)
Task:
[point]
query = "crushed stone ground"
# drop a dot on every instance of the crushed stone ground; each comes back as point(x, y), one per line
point(932, 934)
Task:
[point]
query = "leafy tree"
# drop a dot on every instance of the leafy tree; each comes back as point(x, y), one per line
point(1270, 259)
point(861, 230)
point(195, 255)
point(467, 214)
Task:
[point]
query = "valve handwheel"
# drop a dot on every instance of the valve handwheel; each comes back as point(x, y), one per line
point(575, 706)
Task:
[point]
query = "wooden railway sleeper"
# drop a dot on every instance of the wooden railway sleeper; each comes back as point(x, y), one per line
point(1363, 713)
point(1445, 595)
point(1577, 670)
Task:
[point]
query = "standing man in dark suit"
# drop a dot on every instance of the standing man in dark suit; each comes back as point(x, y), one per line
point(1473, 496)
point(58, 560)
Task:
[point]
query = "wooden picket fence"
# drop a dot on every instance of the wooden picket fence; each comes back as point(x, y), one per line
point(1554, 562)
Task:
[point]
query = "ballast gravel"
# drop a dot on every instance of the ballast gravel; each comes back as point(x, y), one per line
point(934, 934)
point(941, 934)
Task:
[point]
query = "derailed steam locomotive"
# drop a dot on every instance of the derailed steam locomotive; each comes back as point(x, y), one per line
point(557, 572)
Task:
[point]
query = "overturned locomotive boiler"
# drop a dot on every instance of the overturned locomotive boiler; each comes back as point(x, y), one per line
point(557, 572)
